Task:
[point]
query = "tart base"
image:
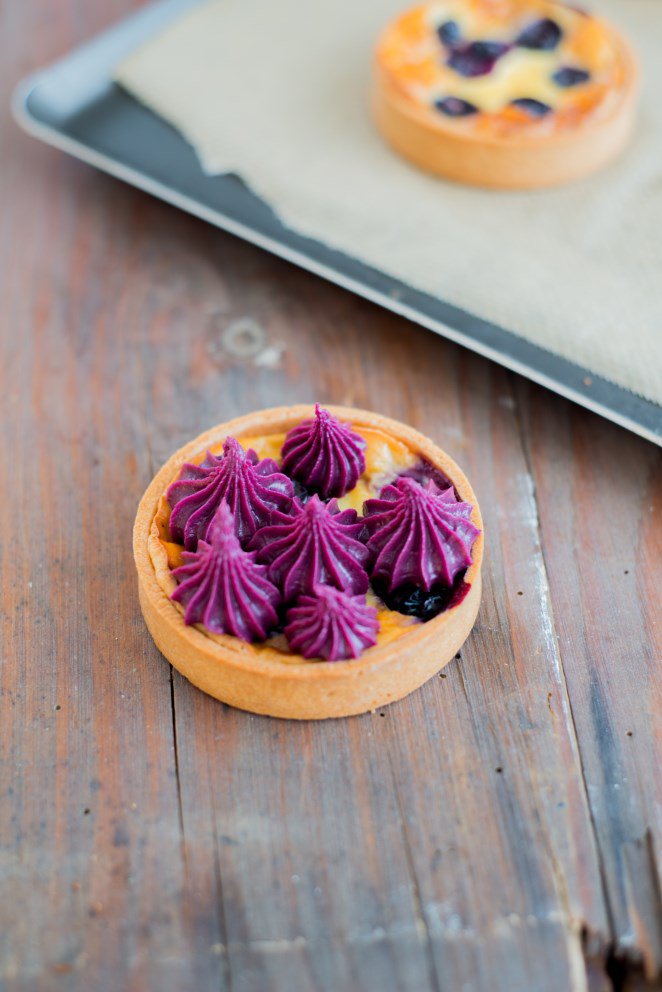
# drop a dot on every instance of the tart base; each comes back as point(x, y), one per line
point(494, 162)
point(262, 680)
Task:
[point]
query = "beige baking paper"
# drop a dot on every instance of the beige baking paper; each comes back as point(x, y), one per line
point(277, 91)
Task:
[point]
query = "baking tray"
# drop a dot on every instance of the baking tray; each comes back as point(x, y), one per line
point(74, 105)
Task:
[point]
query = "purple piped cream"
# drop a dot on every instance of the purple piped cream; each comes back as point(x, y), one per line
point(256, 492)
point(222, 587)
point(419, 535)
point(267, 553)
point(331, 625)
point(324, 454)
point(318, 544)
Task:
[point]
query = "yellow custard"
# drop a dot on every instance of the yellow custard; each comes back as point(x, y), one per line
point(385, 457)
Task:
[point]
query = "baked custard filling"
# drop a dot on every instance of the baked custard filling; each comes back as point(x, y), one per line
point(319, 543)
point(504, 66)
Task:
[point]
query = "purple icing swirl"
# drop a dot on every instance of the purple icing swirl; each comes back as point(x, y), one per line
point(418, 534)
point(324, 454)
point(256, 492)
point(222, 587)
point(318, 544)
point(331, 625)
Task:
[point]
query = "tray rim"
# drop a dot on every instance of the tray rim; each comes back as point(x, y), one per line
point(127, 173)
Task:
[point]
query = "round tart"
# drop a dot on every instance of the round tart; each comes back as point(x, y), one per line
point(384, 505)
point(504, 93)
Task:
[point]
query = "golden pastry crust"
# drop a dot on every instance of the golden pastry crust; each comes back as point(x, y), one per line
point(259, 678)
point(501, 146)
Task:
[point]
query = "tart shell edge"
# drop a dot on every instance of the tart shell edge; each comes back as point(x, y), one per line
point(257, 679)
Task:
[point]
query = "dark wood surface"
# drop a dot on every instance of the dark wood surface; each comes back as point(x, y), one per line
point(498, 830)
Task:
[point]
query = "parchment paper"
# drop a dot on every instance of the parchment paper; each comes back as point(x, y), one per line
point(276, 91)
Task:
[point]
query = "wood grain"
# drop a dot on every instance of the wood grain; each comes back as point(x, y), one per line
point(602, 529)
point(497, 830)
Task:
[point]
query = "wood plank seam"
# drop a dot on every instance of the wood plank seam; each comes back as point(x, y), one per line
point(649, 938)
point(180, 806)
point(596, 944)
point(226, 984)
point(433, 975)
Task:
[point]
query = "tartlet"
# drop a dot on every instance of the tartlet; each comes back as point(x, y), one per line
point(504, 93)
point(266, 678)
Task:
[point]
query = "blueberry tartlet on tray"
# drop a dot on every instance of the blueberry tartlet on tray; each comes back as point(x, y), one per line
point(308, 563)
point(504, 93)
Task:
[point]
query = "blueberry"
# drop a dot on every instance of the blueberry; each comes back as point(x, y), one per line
point(474, 58)
point(468, 66)
point(542, 36)
point(452, 106)
point(279, 626)
point(414, 601)
point(303, 493)
point(449, 32)
point(534, 108)
point(490, 49)
point(569, 76)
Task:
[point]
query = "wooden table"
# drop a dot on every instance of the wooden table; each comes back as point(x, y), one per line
point(498, 830)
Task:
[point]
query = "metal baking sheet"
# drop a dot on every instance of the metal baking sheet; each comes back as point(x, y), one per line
point(74, 105)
